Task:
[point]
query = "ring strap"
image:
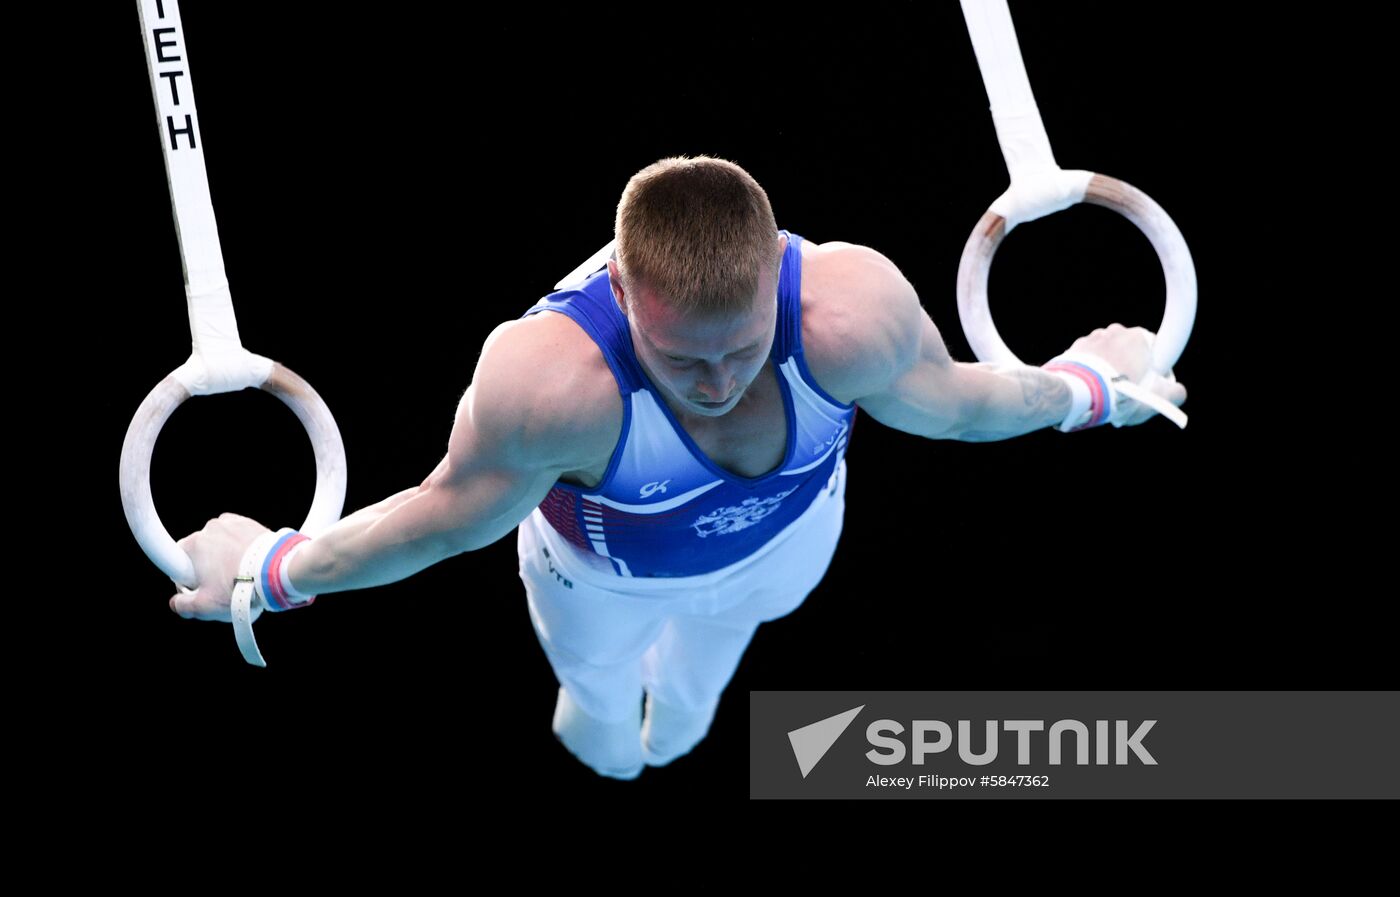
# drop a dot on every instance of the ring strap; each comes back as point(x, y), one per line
point(1143, 393)
point(247, 602)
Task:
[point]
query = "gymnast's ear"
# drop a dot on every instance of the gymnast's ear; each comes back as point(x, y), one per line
point(615, 285)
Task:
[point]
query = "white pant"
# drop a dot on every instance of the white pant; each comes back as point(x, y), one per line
point(609, 637)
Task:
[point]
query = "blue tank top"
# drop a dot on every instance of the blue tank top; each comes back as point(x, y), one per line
point(663, 508)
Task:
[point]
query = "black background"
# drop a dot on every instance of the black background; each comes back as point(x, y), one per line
point(389, 188)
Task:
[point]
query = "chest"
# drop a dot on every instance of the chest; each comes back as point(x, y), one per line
point(750, 440)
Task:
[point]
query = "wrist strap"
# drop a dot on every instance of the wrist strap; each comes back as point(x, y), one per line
point(261, 584)
point(1080, 400)
point(1090, 377)
point(1091, 402)
point(247, 605)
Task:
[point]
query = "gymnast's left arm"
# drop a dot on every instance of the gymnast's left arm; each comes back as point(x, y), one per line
point(914, 385)
point(925, 392)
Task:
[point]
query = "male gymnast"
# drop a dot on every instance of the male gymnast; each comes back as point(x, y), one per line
point(668, 435)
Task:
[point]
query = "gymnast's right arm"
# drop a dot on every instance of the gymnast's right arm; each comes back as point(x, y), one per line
point(515, 433)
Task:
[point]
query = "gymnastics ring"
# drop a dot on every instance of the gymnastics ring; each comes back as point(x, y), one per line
point(218, 362)
point(975, 266)
point(140, 442)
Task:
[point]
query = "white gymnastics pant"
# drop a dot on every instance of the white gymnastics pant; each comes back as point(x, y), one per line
point(609, 637)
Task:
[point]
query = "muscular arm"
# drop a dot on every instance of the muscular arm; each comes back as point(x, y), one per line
point(510, 442)
point(905, 378)
point(1010, 400)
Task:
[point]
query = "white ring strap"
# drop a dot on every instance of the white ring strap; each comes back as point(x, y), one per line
point(1038, 185)
point(219, 363)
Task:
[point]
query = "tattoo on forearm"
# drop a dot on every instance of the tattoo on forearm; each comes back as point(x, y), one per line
point(1031, 390)
point(1043, 396)
point(1034, 391)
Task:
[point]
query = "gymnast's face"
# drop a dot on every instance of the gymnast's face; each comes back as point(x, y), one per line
point(705, 364)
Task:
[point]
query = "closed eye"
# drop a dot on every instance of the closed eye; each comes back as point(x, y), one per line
point(742, 353)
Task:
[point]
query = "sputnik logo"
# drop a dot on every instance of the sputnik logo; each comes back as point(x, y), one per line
point(810, 743)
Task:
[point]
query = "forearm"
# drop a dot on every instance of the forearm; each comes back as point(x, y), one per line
point(371, 547)
point(1011, 400)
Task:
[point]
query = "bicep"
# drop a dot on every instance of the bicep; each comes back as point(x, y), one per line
point(509, 445)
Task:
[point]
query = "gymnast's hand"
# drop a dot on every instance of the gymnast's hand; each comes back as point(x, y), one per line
point(215, 552)
point(1129, 350)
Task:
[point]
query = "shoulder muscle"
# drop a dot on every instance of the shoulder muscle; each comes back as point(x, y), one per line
point(542, 397)
point(865, 325)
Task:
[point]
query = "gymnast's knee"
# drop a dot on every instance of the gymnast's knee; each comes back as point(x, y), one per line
point(669, 732)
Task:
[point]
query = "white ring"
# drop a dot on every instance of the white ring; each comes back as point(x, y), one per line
point(140, 442)
point(1131, 203)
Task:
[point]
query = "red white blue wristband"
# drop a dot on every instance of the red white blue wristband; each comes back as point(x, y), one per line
point(1092, 402)
point(274, 584)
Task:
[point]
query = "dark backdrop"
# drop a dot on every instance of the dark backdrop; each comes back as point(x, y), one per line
point(388, 189)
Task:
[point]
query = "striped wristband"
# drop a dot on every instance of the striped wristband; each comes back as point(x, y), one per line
point(1091, 400)
point(273, 583)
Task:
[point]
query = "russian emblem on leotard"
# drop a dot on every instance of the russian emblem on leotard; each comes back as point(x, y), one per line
point(738, 517)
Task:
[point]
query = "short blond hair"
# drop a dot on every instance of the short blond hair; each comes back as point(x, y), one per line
point(698, 232)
